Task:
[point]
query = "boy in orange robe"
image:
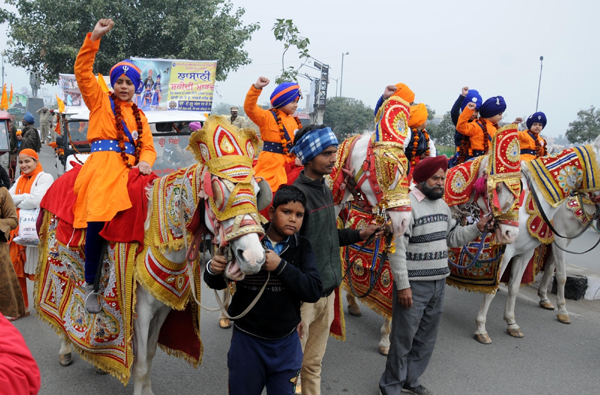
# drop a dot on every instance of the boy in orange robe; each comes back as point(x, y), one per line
point(117, 146)
point(277, 127)
point(532, 144)
point(480, 131)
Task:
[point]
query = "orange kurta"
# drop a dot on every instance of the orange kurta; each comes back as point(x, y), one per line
point(101, 185)
point(270, 165)
point(473, 130)
point(528, 143)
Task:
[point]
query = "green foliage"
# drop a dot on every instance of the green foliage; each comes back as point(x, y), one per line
point(443, 134)
point(430, 113)
point(346, 116)
point(45, 35)
point(585, 128)
point(286, 32)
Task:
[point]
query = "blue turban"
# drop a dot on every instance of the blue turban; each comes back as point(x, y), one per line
point(492, 107)
point(472, 97)
point(284, 94)
point(539, 117)
point(128, 69)
point(29, 118)
point(313, 143)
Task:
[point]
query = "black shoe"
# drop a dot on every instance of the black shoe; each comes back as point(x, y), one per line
point(419, 390)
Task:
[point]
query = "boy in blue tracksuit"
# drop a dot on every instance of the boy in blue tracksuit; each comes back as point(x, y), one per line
point(265, 346)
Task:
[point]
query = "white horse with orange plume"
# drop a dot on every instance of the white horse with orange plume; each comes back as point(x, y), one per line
point(219, 197)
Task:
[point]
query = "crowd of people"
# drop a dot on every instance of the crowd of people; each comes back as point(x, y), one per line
point(280, 344)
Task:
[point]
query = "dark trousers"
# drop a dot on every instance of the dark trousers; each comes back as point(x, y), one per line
point(254, 363)
point(93, 248)
point(414, 332)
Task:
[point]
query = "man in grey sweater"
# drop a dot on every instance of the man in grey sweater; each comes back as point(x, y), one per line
point(419, 270)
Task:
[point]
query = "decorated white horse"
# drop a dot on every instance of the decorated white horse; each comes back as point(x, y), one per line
point(366, 277)
point(498, 195)
point(547, 182)
point(217, 196)
point(572, 219)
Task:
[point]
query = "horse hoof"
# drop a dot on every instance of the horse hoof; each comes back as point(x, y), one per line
point(515, 332)
point(546, 304)
point(483, 339)
point(384, 350)
point(100, 371)
point(65, 359)
point(224, 323)
point(354, 310)
point(564, 318)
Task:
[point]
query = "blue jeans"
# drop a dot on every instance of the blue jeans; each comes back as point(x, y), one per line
point(254, 363)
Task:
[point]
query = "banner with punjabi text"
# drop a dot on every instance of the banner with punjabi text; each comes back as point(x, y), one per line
point(168, 84)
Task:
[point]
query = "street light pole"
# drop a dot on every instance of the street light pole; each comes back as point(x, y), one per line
point(539, 83)
point(342, 73)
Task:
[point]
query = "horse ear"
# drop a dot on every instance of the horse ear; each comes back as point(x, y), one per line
point(207, 186)
point(264, 197)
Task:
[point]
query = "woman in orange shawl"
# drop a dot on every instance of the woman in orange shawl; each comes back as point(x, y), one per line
point(27, 193)
point(121, 139)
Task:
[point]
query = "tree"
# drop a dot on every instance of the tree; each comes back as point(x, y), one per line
point(348, 116)
point(45, 35)
point(443, 134)
point(585, 128)
point(286, 32)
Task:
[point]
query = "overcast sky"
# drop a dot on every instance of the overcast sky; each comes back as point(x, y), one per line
point(436, 48)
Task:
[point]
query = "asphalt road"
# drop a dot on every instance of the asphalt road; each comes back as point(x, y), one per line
point(552, 358)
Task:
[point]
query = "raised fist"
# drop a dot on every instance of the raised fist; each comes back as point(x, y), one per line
point(465, 91)
point(518, 120)
point(472, 105)
point(389, 91)
point(261, 82)
point(102, 27)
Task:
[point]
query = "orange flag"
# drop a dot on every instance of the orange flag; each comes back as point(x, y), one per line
point(4, 102)
point(61, 104)
point(58, 121)
point(102, 83)
point(11, 95)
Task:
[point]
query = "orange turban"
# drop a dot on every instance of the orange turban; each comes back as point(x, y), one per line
point(418, 115)
point(19, 132)
point(30, 152)
point(404, 92)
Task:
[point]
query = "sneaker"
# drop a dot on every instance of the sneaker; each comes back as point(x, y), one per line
point(419, 390)
point(91, 299)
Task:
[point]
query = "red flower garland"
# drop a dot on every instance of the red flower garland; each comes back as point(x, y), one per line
point(121, 132)
point(413, 159)
point(284, 141)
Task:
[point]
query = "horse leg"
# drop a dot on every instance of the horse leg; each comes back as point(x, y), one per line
point(481, 334)
point(384, 342)
point(154, 331)
point(146, 308)
point(561, 280)
point(353, 308)
point(518, 268)
point(65, 356)
point(545, 282)
point(223, 320)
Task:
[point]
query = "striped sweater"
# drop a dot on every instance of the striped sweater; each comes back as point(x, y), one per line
point(422, 253)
